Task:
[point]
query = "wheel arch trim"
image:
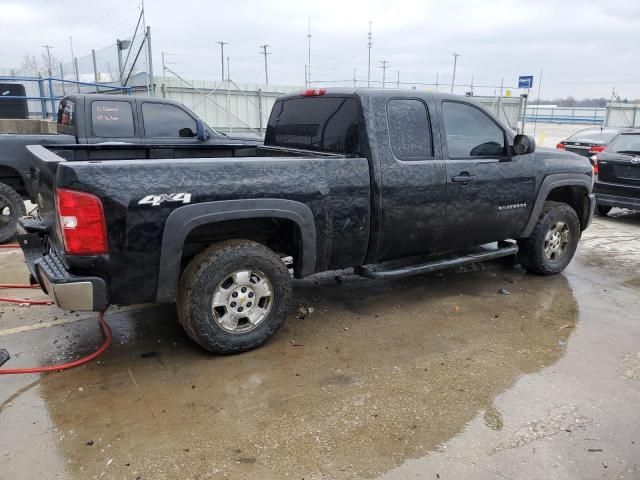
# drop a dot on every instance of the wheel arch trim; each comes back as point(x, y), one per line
point(183, 220)
point(550, 183)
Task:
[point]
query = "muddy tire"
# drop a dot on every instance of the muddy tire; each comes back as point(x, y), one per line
point(603, 210)
point(11, 208)
point(233, 296)
point(553, 241)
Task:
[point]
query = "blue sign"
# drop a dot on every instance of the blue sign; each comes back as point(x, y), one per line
point(525, 82)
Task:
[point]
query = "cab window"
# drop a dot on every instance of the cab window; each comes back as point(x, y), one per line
point(167, 121)
point(409, 129)
point(471, 132)
point(112, 119)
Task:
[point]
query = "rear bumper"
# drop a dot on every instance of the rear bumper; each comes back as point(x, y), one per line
point(69, 292)
point(617, 195)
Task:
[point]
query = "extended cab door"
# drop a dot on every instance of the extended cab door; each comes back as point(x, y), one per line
point(108, 121)
point(490, 195)
point(413, 177)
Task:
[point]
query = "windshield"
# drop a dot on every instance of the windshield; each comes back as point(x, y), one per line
point(628, 142)
point(593, 135)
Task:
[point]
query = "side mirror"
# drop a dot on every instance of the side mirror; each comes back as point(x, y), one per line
point(523, 144)
point(201, 131)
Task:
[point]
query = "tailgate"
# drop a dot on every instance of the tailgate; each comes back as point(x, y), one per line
point(619, 168)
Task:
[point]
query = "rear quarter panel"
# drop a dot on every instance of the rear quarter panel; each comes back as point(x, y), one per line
point(335, 189)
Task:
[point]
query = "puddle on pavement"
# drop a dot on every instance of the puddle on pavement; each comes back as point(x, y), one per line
point(377, 373)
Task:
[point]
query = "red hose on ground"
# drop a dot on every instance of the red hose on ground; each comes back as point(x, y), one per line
point(10, 245)
point(22, 300)
point(106, 331)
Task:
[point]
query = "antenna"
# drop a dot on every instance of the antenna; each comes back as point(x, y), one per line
point(384, 66)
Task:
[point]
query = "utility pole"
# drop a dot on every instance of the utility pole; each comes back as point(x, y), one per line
point(437, 84)
point(228, 71)
point(266, 69)
point(398, 81)
point(384, 66)
point(455, 64)
point(150, 63)
point(354, 78)
point(222, 44)
point(309, 55)
point(49, 66)
point(369, 64)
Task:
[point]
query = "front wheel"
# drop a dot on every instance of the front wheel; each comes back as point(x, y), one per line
point(11, 208)
point(553, 241)
point(233, 296)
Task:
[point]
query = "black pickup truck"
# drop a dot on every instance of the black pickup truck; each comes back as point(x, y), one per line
point(87, 119)
point(390, 182)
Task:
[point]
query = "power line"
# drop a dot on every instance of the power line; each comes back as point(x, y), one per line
point(266, 69)
point(370, 43)
point(384, 66)
point(222, 44)
point(455, 64)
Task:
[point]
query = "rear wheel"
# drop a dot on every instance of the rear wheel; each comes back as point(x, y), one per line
point(553, 241)
point(11, 208)
point(603, 210)
point(233, 296)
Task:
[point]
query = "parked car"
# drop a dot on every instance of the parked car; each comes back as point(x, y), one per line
point(87, 119)
point(617, 171)
point(393, 182)
point(589, 141)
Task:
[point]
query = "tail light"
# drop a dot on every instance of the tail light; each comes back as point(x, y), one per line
point(597, 149)
point(313, 92)
point(594, 162)
point(560, 146)
point(82, 222)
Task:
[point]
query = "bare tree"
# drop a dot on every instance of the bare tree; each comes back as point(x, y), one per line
point(34, 65)
point(30, 64)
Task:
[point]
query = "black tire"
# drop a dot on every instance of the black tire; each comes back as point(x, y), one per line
point(204, 276)
point(11, 208)
point(603, 210)
point(531, 254)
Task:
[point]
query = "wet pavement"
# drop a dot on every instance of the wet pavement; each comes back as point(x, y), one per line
point(484, 372)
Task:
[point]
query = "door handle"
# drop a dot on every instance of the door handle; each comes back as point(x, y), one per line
point(464, 178)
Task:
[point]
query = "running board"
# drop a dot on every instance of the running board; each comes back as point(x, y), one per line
point(401, 269)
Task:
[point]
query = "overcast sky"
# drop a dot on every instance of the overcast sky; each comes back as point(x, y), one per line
point(584, 48)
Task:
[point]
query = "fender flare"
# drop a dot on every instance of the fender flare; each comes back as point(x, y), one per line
point(183, 220)
point(548, 184)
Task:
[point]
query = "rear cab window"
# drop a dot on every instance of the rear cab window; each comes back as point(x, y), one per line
point(66, 117)
point(325, 123)
point(593, 135)
point(112, 119)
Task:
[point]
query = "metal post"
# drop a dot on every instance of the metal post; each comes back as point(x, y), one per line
point(354, 78)
point(398, 81)
point(222, 44)
point(455, 64)
point(500, 97)
point(43, 103)
point(150, 65)
point(369, 64)
point(75, 64)
point(119, 49)
point(266, 69)
point(95, 70)
point(52, 97)
point(62, 78)
point(260, 110)
point(228, 70)
point(437, 82)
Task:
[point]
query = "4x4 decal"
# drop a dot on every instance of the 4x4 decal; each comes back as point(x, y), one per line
point(155, 200)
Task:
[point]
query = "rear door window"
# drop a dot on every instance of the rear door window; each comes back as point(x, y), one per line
point(470, 132)
point(409, 129)
point(167, 121)
point(112, 119)
point(327, 124)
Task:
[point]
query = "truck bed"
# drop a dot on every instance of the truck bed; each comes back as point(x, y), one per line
point(128, 179)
